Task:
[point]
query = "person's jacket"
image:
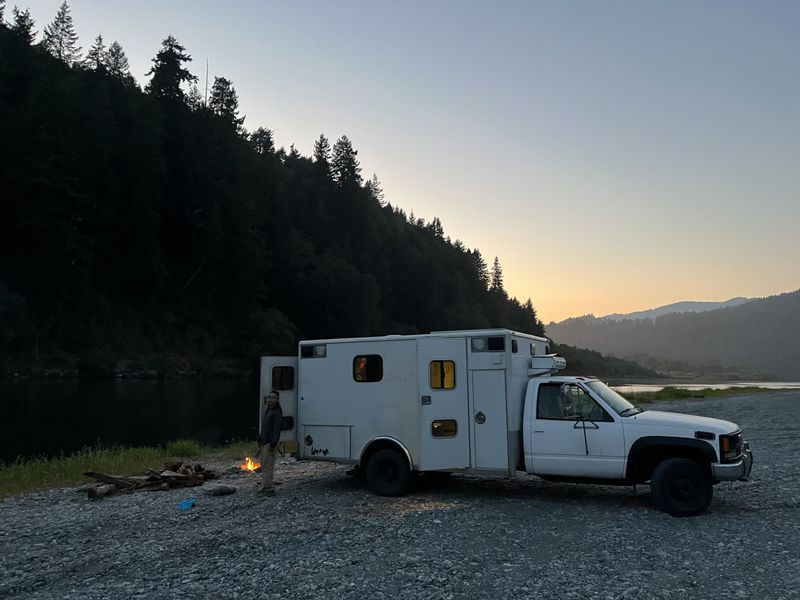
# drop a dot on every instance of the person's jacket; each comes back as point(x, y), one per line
point(271, 426)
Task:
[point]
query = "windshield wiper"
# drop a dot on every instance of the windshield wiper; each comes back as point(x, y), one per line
point(635, 408)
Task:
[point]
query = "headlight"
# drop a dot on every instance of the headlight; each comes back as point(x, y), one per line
point(730, 446)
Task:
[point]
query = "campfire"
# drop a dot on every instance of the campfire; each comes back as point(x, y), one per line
point(249, 465)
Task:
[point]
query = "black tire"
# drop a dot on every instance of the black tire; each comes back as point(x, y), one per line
point(681, 487)
point(388, 473)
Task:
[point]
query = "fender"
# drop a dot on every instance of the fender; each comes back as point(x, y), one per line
point(643, 444)
point(385, 438)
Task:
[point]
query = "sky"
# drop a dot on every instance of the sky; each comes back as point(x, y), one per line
point(615, 156)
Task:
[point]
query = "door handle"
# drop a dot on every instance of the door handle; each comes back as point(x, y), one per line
point(480, 418)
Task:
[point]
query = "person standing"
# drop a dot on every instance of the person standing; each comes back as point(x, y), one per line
point(268, 437)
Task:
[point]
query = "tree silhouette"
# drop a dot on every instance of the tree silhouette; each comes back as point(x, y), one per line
point(224, 102)
point(59, 37)
point(322, 154)
point(96, 56)
point(496, 279)
point(116, 62)
point(23, 25)
point(168, 72)
point(262, 142)
point(2, 10)
point(374, 189)
point(344, 165)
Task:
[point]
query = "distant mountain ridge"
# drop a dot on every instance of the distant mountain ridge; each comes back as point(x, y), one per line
point(678, 307)
point(759, 335)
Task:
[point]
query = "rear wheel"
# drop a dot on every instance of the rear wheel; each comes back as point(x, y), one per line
point(388, 473)
point(681, 487)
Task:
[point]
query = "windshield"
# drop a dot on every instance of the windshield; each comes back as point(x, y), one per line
point(620, 405)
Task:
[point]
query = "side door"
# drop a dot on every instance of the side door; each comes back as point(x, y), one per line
point(280, 373)
point(443, 398)
point(573, 435)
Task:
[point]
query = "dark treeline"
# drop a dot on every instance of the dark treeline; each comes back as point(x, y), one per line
point(147, 223)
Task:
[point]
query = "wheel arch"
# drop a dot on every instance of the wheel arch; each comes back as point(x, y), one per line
point(379, 443)
point(647, 452)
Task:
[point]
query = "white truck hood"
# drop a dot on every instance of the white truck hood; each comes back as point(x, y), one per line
point(667, 419)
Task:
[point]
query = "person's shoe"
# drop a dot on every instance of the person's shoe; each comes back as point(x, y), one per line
point(265, 491)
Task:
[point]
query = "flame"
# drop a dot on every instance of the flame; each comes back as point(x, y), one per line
point(249, 464)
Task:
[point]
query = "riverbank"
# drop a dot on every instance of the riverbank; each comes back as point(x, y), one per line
point(325, 535)
point(45, 473)
point(671, 393)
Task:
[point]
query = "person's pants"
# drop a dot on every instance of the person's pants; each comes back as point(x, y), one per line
point(267, 466)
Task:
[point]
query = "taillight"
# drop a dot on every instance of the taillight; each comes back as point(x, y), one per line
point(730, 446)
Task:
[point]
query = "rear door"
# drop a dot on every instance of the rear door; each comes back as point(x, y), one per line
point(444, 438)
point(280, 373)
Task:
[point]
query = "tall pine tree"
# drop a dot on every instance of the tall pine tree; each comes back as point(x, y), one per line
point(168, 72)
point(344, 165)
point(116, 62)
point(322, 154)
point(96, 56)
point(496, 280)
point(59, 37)
point(262, 142)
point(23, 25)
point(224, 102)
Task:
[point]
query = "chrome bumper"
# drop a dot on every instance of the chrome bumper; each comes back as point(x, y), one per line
point(738, 470)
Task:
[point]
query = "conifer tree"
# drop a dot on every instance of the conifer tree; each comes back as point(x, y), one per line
point(224, 102)
point(96, 56)
point(436, 227)
point(168, 72)
point(496, 280)
point(2, 10)
point(59, 37)
point(23, 24)
point(194, 99)
point(322, 154)
point(374, 189)
point(116, 62)
point(344, 165)
point(480, 269)
point(262, 142)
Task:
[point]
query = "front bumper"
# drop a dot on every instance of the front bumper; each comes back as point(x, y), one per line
point(737, 470)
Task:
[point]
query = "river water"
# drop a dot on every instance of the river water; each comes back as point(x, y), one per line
point(45, 417)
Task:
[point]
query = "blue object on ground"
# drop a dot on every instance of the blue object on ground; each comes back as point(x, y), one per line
point(187, 504)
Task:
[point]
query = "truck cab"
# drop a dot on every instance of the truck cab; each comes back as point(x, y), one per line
point(578, 429)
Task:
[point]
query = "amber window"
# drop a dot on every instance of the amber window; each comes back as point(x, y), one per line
point(443, 375)
point(444, 428)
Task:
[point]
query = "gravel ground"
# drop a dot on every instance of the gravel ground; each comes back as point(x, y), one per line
point(324, 536)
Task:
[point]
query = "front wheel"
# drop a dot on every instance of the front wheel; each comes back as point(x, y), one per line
point(388, 473)
point(681, 487)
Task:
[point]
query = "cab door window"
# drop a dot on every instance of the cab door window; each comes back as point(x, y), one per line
point(568, 402)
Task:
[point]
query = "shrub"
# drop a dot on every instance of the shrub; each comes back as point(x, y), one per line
point(184, 449)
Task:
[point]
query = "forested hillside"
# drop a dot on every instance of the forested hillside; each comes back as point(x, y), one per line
point(759, 336)
point(148, 225)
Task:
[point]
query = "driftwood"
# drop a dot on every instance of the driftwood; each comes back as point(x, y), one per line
point(173, 475)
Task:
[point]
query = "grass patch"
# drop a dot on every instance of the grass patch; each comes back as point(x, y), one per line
point(676, 393)
point(62, 471)
point(184, 449)
point(38, 474)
